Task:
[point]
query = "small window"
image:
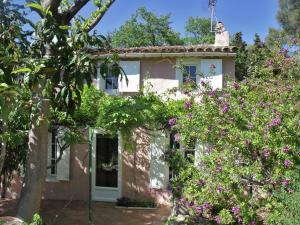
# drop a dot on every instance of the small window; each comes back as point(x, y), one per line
point(53, 154)
point(189, 73)
point(188, 150)
point(173, 143)
point(111, 82)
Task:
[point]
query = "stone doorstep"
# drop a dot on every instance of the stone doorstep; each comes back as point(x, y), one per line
point(124, 207)
point(8, 220)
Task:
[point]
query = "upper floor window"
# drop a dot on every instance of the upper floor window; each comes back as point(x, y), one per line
point(189, 73)
point(111, 82)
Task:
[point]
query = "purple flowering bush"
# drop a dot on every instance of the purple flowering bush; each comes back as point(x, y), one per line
point(247, 151)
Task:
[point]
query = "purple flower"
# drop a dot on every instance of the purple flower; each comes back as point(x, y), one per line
point(201, 183)
point(192, 203)
point(270, 62)
point(223, 132)
point(266, 152)
point(206, 206)
point(177, 137)
point(283, 51)
point(218, 169)
point(172, 122)
point(211, 93)
point(225, 108)
point(190, 115)
point(252, 222)
point(245, 81)
point(289, 88)
point(218, 220)
point(187, 105)
point(287, 163)
point(247, 142)
point(239, 219)
point(219, 189)
point(286, 181)
point(262, 105)
point(294, 40)
point(286, 149)
point(199, 209)
point(235, 210)
point(250, 125)
point(236, 85)
point(275, 122)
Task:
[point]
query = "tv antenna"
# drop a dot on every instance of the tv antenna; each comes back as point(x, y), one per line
point(212, 4)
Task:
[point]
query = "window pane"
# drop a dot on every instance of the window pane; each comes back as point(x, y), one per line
point(115, 82)
point(108, 83)
point(189, 74)
point(106, 161)
point(111, 82)
point(53, 152)
point(192, 71)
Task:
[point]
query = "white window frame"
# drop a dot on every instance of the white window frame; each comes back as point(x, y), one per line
point(187, 62)
point(60, 172)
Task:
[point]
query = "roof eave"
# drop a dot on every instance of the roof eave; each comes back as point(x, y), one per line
point(161, 55)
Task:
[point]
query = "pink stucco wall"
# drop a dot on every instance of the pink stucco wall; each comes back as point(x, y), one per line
point(136, 171)
point(77, 187)
point(74, 189)
point(163, 68)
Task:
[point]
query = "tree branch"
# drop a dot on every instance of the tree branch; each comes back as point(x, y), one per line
point(52, 4)
point(100, 13)
point(70, 13)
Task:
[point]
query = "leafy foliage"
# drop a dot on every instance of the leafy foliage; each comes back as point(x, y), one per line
point(12, 52)
point(289, 15)
point(198, 31)
point(241, 56)
point(145, 111)
point(36, 220)
point(247, 156)
point(144, 28)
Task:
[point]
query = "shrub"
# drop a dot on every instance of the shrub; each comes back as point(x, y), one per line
point(247, 151)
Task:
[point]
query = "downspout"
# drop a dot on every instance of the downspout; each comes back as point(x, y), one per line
point(90, 135)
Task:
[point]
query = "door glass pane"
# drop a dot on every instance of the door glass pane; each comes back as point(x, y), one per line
point(106, 161)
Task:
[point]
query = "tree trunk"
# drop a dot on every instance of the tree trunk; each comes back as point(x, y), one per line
point(35, 170)
point(2, 155)
point(3, 148)
point(3, 185)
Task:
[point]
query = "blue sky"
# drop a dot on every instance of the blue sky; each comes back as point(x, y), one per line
point(247, 16)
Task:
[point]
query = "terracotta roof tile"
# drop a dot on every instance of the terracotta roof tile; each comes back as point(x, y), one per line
point(167, 49)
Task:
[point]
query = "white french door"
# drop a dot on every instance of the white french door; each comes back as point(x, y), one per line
point(106, 168)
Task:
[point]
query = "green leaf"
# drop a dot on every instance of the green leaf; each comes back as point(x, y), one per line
point(36, 6)
point(65, 27)
point(3, 85)
point(22, 70)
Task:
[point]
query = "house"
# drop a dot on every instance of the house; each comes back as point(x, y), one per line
point(115, 172)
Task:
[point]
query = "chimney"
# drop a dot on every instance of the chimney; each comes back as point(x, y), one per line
point(221, 35)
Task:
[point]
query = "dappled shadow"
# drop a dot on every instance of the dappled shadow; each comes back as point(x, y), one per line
point(76, 213)
point(136, 172)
